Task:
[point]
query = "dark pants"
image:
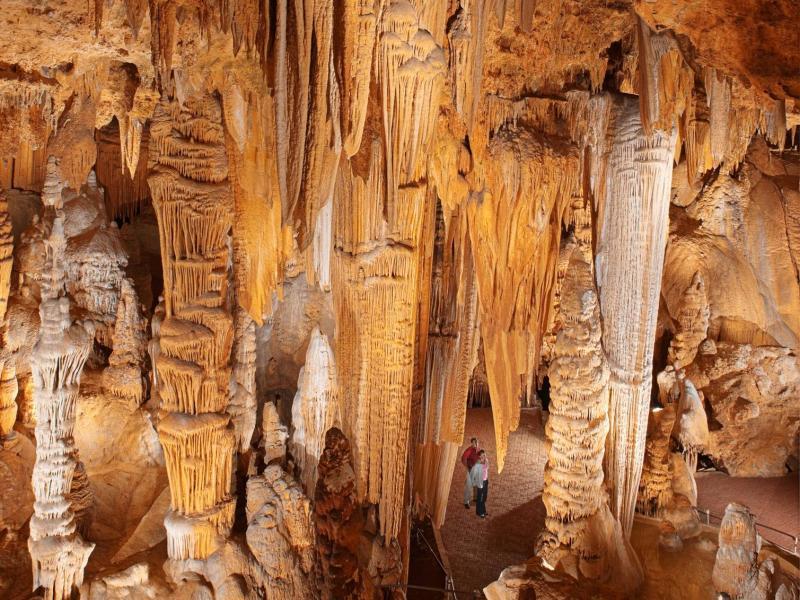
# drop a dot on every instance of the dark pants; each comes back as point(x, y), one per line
point(480, 502)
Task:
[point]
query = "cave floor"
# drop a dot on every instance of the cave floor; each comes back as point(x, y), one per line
point(479, 549)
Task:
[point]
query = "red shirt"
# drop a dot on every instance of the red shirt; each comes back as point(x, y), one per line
point(470, 457)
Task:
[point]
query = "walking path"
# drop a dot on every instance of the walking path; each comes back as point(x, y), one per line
point(479, 549)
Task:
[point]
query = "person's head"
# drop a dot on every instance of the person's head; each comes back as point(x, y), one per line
point(474, 442)
point(482, 456)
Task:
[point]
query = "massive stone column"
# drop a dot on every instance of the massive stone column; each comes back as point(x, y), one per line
point(58, 552)
point(633, 187)
point(379, 209)
point(194, 206)
point(581, 535)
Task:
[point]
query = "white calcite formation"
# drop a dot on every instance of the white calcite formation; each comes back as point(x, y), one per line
point(581, 536)
point(58, 552)
point(315, 408)
point(634, 183)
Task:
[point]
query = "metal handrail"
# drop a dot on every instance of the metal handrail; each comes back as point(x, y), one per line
point(796, 550)
point(448, 580)
point(410, 586)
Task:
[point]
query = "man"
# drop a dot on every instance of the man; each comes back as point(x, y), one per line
point(479, 477)
point(468, 459)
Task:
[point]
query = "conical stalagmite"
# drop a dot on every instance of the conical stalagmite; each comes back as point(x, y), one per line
point(581, 535)
point(58, 552)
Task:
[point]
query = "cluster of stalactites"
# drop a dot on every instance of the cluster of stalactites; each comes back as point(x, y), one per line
point(58, 553)
point(716, 115)
point(194, 206)
point(515, 232)
point(452, 353)
point(379, 211)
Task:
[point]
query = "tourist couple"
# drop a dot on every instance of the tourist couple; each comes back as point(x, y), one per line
point(477, 465)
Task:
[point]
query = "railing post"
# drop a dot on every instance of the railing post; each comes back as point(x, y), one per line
point(795, 545)
point(708, 517)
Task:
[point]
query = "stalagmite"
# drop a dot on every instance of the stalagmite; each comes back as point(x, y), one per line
point(634, 188)
point(581, 536)
point(692, 324)
point(315, 408)
point(338, 519)
point(123, 377)
point(194, 205)
point(280, 534)
point(58, 552)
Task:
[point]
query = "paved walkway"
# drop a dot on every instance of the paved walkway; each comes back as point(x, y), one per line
point(479, 549)
point(775, 501)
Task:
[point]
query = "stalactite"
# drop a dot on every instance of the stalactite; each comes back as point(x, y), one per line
point(581, 535)
point(665, 81)
point(124, 192)
point(467, 35)
point(515, 230)
point(242, 407)
point(315, 408)
point(451, 357)
point(378, 217)
point(355, 64)
point(194, 205)
point(58, 552)
point(634, 187)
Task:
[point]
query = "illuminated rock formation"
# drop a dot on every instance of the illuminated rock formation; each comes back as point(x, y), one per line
point(363, 216)
point(280, 534)
point(634, 184)
point(315, 409)
point(194, 206)
point(582, 537)
point(58, 552)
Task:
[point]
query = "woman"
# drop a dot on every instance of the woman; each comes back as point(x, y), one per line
point(479, 475)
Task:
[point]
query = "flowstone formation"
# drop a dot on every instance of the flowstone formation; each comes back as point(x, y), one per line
point(276, 250)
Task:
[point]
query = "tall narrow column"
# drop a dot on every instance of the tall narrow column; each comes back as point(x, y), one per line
point(194, 206)
point(635, 180)
point(58, 552)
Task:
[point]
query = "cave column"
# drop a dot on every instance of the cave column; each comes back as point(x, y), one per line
point(633, 188)
point(194, 205)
